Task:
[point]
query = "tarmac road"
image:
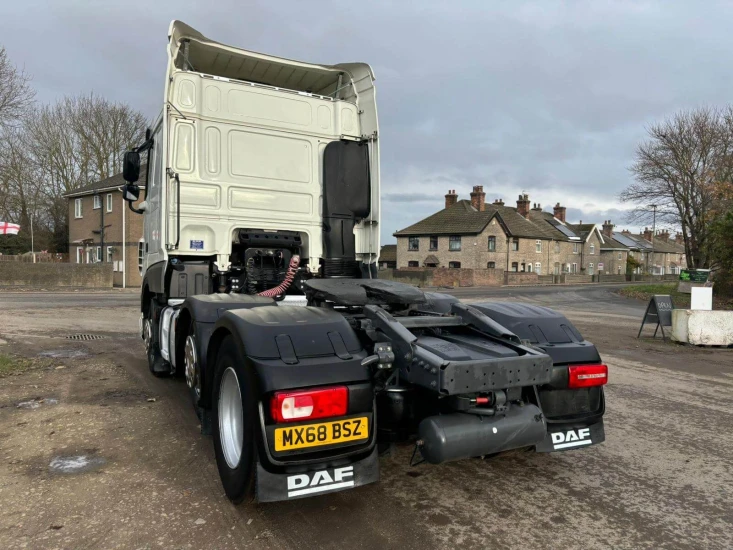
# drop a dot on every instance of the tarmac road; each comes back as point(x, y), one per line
point(663, 478)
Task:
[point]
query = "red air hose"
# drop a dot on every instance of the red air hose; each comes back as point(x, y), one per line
point(282, 287)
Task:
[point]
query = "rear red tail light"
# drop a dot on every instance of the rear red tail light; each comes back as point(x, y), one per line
point(291, 406)
point(586, 376)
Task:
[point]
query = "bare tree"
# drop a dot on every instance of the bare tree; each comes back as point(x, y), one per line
point(105, 130)
point(73, 143)
point(22, 199)
point(16, 94)
point(681, 169)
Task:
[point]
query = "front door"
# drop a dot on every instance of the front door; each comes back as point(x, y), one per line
point(153, 197)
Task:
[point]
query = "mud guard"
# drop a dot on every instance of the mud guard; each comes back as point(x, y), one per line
point(573, 435)
point(316, 480)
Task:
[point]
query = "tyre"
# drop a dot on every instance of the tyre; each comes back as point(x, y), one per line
point(156, 363)
point(234, 421)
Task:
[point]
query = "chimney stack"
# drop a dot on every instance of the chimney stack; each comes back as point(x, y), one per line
point(608, 228)
point(523, 204)
point(478, 198)
point(499, 202)
point(559, 212)
point(451, 198)
point(663, 235)
point(537, 207)
point(679, 238)
point(647, 234)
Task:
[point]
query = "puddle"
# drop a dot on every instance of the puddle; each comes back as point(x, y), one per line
point(75, 464)
point(37, 403)
point(64, 354)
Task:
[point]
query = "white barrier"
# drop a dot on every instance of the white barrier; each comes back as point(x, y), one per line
point(702, 328)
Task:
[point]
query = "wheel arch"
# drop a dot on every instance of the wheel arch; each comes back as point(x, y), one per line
point(145, 297)
point(212, 349)
point(183, 327)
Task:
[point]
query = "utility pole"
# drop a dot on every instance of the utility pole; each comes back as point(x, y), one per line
point(33, 250)
point(654, 231)
point(101, 227)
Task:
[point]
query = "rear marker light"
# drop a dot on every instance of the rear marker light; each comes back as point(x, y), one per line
point(291, 406)
point(587, 376)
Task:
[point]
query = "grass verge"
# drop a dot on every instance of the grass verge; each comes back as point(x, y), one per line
point(680, 300)
point(13, 365)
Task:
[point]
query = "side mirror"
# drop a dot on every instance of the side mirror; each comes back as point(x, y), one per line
point(130, 192)
point(131, 167)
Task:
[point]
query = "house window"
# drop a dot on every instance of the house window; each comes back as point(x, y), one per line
point(433, 242)
point(619, 255)
point(557, 247)
point(619, 270)
point(454, 243)
point(538, 268)
point(590, 269)
point(538, 246)
point(491, 265)
point(515, 245)
point(140, 255)
point(413, 243)
point(413, 264)
point(77, 208)
point(109, 202)
point(110, 254)
point(97, 202)
point(454, 265)
point(574, 269)
point(492, 244)
point(592, 249)
point(529, 267)
point(80, 255)
point(98, 255)
point(575, 248)
point(515, 267)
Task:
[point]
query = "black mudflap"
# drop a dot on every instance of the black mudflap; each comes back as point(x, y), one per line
point(316, 479)
point(566, 437)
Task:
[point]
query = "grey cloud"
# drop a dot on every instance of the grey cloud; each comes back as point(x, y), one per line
point(542, 96)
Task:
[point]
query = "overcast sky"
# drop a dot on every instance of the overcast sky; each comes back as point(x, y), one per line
point(545, 97)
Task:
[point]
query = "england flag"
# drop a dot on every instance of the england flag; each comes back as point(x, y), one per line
point(7, 228)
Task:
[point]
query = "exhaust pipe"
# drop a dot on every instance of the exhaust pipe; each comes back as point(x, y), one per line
point(457, 436)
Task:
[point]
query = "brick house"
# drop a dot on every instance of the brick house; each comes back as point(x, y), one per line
point(656, 254)
point(100, 208)
point(614, 254)
point(388, 256)
point(476, 235)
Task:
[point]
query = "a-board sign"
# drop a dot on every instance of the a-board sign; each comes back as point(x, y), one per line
point(658, 312)
point(694, 275)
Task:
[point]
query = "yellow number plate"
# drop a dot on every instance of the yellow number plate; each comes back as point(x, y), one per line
point(324, 433)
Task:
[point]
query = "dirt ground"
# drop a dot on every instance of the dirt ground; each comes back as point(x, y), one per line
point(97, 453)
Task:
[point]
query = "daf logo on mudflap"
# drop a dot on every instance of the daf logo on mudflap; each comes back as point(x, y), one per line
point(571, 438)
point(304, 484)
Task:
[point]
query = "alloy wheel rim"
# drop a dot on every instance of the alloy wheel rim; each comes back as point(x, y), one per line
point(192, 375)
point(231, 423)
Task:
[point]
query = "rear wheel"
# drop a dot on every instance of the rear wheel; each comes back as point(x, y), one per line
point(234, 422)
point(151, 330)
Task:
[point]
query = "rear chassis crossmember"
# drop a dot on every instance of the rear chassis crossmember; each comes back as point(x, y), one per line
point(419, 366)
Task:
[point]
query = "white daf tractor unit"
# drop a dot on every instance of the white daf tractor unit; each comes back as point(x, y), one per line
point(261, 237)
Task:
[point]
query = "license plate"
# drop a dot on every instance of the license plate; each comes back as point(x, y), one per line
point(323, 433)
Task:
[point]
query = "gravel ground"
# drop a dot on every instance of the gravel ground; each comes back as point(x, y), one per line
point(96, 453)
